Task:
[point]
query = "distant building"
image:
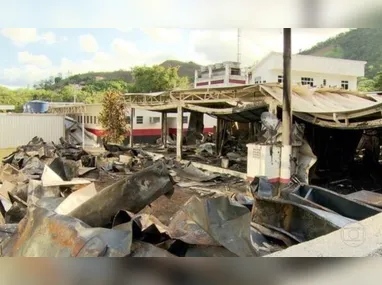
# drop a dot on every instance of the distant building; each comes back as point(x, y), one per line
point(221, 74)
point(309, 70)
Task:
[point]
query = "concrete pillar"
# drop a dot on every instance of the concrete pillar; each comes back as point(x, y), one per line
point(195, 127)
point(196, 78)
point(209, 75)
point(179, 133)
point(218, 134)
point(132, 116)
point(164, 129)
point(227, 74)
point(83, 130)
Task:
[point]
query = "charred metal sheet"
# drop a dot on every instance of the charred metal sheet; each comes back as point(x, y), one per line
point(42, 233)
point(192, 173)
point(261, 243)
point(12, 174)
point(145, 227)
point(143, 249)
point(330, 201)
point(132, 194)
point(36, 192)
point(6, 232)
point(288, 241)
point(16, 213)
point(303, 222)
point(226, 221)
point(208, 251)
point(182, 227)
point(76, 199)
point(367, 197)
point(33, 166)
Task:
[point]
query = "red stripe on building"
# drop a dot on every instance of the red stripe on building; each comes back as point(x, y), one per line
point(201, 83)
point(217, 81)
point(238, 81)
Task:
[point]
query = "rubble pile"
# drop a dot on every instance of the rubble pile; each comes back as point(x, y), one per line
point(61, 201)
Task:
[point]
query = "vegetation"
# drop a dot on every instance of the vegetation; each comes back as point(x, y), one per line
point(156, 78)
point(90, 87)
point(113, 117)
point(357, 44)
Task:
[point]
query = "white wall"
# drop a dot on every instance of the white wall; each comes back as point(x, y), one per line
point(332, 69)
point(19, 129)
point(331, 79)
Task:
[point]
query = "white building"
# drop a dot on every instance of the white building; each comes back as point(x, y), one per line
point(224, 74)
point(309, 70)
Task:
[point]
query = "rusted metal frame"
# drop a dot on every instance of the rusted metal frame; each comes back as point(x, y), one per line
point(351, 115)
point(354, 125)
point(225, 111)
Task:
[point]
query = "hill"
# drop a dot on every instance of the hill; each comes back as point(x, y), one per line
point(356, 44)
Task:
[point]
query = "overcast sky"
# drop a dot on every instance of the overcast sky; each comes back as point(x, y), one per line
point(29, 55)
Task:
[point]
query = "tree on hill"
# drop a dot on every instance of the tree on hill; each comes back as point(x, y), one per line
point(113, 117)
point(156, 78)
point(356, 44)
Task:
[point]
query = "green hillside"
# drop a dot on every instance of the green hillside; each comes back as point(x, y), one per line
point(357, 44)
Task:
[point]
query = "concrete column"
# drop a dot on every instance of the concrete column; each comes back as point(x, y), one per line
point(132, 116)
point(179, 133)
point(227, 73)
point(218, 134)
point(164, 129)
point(83, 130)
point(196, 78)
point(209, 75)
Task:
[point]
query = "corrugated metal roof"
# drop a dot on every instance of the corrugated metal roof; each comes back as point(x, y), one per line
point(324, 100)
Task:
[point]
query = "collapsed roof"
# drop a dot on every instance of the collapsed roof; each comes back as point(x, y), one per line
point(326, 107)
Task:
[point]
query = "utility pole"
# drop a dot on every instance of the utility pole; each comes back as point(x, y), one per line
point(287, 89)
point(286, 150)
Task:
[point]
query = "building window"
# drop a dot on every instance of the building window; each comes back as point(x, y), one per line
point(87, 119)
point(249, 77)
point(307, 81)
point(258, 79)
point(139, 119)
point(345, 84)
point(185, 119)
point(324, 82)
point(280, 79)
point(235, 71)
point(264, 81)
point(154, 120)
point(91, 119)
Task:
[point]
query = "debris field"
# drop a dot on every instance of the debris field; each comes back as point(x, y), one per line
point(61, 201)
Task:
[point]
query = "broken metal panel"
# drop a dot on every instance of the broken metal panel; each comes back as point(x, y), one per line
point(184, 228)
point(43, 233)
point(367, 197)
point(226, 221)
point(76, 199)
point(330, 201)
point(195, 174)
point(143, 249)
point(132, 194)
point(303, 222)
